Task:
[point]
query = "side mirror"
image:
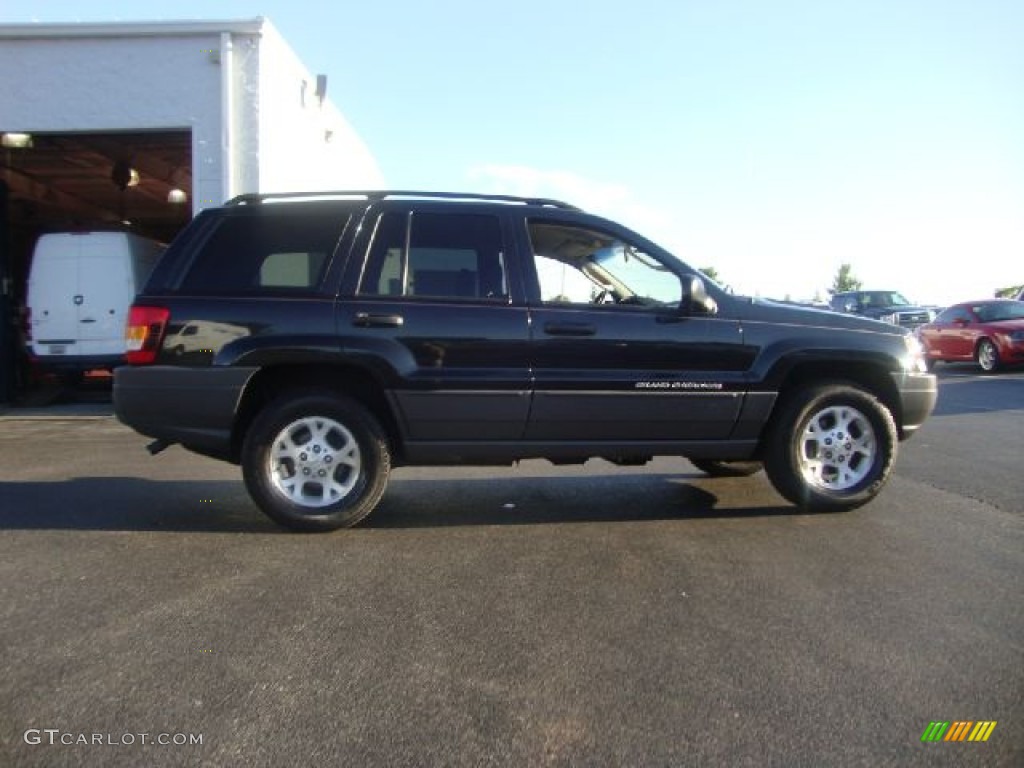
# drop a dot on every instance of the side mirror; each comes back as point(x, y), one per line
point(695, 298)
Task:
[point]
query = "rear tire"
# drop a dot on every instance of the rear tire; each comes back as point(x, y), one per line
point(315, 461)
point(830, 447)
point(719, 468)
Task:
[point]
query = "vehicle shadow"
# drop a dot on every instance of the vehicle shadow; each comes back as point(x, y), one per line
point(614, 498)
point(135, 504)
point(130, 504)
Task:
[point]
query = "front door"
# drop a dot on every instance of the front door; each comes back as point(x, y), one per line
point(613, 357)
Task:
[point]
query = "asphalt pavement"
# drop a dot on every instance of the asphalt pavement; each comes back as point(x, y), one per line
point(532, 615)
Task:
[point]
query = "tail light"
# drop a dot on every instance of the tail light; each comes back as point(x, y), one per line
point(144, 333)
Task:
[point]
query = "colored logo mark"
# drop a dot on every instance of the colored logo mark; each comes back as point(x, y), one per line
point(959, 730)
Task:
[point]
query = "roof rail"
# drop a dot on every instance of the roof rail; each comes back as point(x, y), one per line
point(375, 195)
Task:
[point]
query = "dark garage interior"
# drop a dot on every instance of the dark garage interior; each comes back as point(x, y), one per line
point(60, 182)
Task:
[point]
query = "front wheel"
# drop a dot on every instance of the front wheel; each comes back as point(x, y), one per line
point(315, 461)
point(987, 356)
point(830, 448)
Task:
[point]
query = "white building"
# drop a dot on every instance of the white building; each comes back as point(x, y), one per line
point(146, 123)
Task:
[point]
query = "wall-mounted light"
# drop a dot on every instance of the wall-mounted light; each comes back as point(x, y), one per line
point(177, 197)
point(16, 140)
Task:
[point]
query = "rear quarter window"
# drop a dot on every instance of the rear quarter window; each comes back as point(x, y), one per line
point(268, 251)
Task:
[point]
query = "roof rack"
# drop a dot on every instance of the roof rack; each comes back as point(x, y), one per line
point(376, 195)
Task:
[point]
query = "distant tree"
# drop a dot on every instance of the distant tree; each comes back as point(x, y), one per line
point(844, 280)
point(712, 273)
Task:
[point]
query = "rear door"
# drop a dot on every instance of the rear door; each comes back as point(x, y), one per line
point(53, 295)
point(105, 291)
point(430, 291)
point(613, 357)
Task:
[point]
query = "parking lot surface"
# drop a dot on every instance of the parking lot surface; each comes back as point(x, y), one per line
point(532, 615)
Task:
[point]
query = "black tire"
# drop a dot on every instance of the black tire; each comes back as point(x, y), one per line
point(843, 468)
point(720, 468)
point(327, 436)
point(987, 356)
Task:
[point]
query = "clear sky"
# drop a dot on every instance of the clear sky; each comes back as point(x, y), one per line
point(770, 139)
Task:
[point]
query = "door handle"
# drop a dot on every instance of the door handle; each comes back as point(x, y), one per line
point(569, 329)
point(370, 320)
point(88, 320)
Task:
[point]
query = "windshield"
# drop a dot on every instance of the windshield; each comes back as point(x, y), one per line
point(883, 299)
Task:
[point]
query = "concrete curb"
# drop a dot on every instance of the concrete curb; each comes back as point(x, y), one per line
point(71, 411)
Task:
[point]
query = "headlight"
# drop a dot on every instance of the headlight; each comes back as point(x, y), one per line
point(914, 360)
point(892, 319)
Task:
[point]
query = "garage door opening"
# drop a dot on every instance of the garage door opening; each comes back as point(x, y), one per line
point(137, 181)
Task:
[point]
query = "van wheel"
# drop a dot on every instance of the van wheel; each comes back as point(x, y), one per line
point(718, 468)
point(315, 461)
point(830, 448)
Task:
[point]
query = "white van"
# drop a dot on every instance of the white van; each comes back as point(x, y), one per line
point(80, 287)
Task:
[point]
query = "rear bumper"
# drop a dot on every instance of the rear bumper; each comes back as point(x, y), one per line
point(192, 406)
point(918, 394)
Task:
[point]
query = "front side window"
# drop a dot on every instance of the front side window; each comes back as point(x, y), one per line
point(436, 255)
point(576, 265)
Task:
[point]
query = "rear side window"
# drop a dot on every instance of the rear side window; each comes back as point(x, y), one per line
point(436, 255)
point(269, 251)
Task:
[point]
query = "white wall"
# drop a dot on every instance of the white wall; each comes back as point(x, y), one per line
point(305, 145)
point(80, 84)
point(130, 77)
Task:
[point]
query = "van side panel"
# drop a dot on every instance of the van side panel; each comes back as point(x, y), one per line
point(145, 254)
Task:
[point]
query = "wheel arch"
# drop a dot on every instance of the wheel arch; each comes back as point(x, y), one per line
point(354, 381)
point(874, 378)
point(981, 340)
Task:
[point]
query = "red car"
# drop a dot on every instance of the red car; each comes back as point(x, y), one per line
point(989, 332)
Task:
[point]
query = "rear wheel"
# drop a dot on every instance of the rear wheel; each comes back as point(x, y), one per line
point(987, 356)
point(830, 447)
point(719, 468)
point(315, 461)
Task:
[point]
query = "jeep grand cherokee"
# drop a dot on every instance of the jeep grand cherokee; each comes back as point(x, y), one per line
point(334, 336)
